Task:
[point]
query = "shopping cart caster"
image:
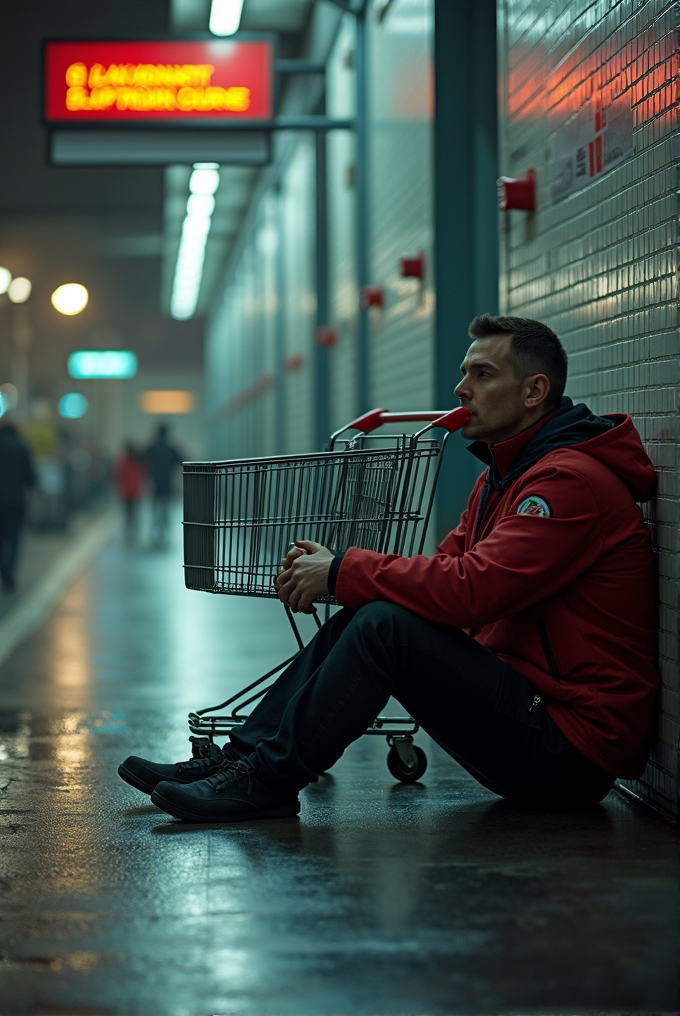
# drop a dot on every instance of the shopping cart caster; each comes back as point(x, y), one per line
point(200, 747)
point(405, 760)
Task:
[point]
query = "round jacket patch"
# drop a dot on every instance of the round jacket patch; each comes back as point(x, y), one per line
point(534, 506)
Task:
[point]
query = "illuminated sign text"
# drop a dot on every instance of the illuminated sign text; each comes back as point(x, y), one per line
point(163, 81)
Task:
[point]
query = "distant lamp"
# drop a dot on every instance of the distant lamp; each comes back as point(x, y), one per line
point(73, 406)
point(5, 279)
point(19, 289)
point(70, 298)
point(225, 16)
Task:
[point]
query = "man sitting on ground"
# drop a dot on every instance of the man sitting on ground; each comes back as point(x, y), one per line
point(525, 646)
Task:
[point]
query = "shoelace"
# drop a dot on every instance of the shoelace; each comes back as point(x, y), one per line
point(230, 773)
point(197, 763)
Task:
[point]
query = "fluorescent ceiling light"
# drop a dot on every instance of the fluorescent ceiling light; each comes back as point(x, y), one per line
point(186, 285)
point(204, 179)
point(225, 16)
point(109, 363)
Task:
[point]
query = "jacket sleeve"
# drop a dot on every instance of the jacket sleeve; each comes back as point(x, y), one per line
point(454, 544)
point(524, 559)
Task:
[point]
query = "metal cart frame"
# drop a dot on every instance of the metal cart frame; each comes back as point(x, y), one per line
point(358, 493)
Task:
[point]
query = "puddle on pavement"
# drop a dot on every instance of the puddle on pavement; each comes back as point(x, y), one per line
point(82, 962)
point(42, 737)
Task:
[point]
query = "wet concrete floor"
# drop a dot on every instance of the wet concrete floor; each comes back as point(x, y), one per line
point(382, 898)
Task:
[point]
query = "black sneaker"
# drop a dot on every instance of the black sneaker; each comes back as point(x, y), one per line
point(232, 794)
point(144, 775)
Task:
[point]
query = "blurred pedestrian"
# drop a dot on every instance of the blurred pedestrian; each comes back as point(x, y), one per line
point(162, 459)
point(17, 476)
point(128, 474)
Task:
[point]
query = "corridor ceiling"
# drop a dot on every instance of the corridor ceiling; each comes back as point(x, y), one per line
point(100, 226)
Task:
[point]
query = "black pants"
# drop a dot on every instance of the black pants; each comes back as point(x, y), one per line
point(11, 523)
point(470, 702)
point(130, 513)
point(160, 513)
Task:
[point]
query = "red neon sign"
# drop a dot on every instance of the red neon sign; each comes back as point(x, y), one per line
point(176, 82)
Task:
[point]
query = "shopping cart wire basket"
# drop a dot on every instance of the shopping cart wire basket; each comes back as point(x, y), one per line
point(370, 491)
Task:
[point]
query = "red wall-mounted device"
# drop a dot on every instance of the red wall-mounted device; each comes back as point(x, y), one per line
point(372, 296)
point(293, 361)
point(412, 267)
point(517, 192)
point(326, 336)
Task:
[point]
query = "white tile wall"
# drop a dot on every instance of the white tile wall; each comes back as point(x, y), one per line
point(240, 358)
point(240, 333)
point(344, 296)
point(599, 267)
point(299, 228)
point(401, 210)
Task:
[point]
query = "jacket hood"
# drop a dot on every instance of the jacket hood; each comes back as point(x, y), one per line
point(611, 439)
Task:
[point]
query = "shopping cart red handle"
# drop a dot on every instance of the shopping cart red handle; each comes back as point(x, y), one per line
point(450, 420)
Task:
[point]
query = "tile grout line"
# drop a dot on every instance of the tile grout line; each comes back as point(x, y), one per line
point(34, 607)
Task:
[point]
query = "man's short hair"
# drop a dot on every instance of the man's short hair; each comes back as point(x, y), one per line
point(534, 348)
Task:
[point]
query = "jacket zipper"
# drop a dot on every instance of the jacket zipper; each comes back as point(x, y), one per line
point(547, 651)
point(535, 702)
point(484, 497)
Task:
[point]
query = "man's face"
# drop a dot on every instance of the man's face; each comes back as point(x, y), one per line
point(492, 393)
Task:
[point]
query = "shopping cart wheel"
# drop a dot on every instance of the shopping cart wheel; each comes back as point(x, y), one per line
point(200, 747)
point(405, 760)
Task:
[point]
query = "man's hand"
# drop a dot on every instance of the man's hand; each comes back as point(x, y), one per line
point(304, 575)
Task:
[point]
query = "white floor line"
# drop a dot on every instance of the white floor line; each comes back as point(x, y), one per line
point(36, 604)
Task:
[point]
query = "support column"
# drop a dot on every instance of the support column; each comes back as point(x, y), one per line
point(466, 217)
point(20, 362)
point(280, 335)
point(321, 365)
point(362, 230)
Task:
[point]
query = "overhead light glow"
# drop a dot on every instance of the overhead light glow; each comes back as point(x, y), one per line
point(73, 406)
point(102, 363)
point(186, 285)
point(5, 279)
point(19, 290)
point(225, 16)
point(9, 396)
point(205, 178)
point(70, 298)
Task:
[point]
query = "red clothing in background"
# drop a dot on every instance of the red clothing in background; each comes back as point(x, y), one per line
point(128, 474)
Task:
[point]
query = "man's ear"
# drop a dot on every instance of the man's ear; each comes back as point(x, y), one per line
point(537, 390)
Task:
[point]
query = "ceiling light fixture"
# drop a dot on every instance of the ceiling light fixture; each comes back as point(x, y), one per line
point(5, 279)
point(203, 183)
point(19, 290)
point(225, 16)
point(70, 298)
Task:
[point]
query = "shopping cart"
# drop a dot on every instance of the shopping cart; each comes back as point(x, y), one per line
point(240, 518)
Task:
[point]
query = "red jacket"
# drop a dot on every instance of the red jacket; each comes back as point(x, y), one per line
point(558, 581)
point(128, 474)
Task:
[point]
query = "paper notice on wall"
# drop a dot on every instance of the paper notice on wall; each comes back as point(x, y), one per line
point(590, 144)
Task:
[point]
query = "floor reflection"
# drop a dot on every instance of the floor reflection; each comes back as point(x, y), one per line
point(431, 898)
